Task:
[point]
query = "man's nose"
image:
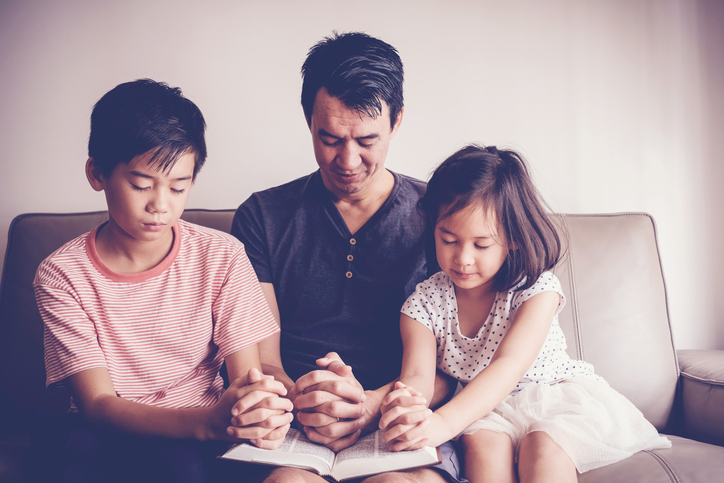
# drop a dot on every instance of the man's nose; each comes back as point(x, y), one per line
point(348, 156)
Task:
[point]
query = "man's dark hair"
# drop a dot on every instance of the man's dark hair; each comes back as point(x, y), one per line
point(357, 69)
point(499, 181)
point(145, 116)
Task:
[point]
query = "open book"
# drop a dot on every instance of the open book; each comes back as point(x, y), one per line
point(368, 456)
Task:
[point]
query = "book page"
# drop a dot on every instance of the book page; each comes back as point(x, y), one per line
point(299, 444)
point(370, 455)
point(296, 450)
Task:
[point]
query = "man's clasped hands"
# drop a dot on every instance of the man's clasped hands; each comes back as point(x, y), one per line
point(331, 407)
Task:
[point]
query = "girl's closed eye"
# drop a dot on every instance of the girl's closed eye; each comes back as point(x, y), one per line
point(480, 247)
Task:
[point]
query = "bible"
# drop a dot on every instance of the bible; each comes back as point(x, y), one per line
point(369, 456)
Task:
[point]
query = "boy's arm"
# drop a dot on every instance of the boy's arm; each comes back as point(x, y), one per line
point(95, 396)
point(269, 348)
point(262, 409)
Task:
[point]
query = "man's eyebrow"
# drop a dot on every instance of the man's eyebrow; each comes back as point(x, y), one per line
point(322, 132)
point(369, 136)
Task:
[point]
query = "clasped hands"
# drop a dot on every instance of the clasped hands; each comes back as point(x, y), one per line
point(259, 410)
point(331, 407)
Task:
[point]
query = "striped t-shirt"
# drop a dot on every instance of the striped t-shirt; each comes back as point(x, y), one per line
point(163, 333)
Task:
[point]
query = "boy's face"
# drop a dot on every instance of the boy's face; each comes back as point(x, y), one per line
point(143, 204)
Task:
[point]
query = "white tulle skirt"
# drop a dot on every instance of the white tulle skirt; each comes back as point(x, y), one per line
point(592, 422)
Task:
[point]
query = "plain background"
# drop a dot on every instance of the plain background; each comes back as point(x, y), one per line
point(617, 104)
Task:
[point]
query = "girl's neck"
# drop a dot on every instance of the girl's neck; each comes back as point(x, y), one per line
point(473, 309)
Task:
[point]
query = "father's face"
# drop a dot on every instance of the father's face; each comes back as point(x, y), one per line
point(350, 147)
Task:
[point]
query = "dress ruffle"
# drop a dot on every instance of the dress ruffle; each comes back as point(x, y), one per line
point(592, 422)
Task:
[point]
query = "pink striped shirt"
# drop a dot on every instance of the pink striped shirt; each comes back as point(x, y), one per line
point(163, 333)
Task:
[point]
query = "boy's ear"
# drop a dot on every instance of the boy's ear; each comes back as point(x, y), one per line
point(95, 178)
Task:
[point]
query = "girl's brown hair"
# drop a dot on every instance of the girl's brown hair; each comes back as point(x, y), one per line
point(498, 180)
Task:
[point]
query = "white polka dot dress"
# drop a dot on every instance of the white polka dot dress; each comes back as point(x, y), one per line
point(434, 305)
point(561, 396)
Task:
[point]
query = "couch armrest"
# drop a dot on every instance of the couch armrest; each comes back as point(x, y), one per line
point(702, 388)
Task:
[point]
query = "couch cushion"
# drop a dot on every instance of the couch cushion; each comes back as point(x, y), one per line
point(687, 461)
point(617, 314)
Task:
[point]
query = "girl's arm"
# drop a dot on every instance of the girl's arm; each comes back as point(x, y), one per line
point(419, 354)
point(517, 351)
point(405, 409)
point(96, 398)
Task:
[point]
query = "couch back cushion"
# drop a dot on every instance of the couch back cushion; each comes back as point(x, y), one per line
point(617, 314)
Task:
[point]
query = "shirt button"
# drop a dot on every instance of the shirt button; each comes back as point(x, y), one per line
point(349, 274)
point(352, 241)
point(350, 258)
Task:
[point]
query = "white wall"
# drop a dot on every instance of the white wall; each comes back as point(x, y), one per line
point(617, 104)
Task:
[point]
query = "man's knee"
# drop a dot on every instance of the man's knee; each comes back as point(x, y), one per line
point(293, 475)
point(424, 475)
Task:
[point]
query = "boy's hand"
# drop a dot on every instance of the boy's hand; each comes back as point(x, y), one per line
point(257, 410)
point(330, 402)
point(405, 418)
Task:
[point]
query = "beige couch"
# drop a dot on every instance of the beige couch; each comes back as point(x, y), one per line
point(616, 318)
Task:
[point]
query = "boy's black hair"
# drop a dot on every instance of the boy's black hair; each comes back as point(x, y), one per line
point(498, 180)
point(357, 69)
point(144, 116)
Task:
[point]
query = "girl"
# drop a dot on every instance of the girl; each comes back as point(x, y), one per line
point(489, 320)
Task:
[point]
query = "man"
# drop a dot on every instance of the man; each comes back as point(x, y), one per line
point(337, 252)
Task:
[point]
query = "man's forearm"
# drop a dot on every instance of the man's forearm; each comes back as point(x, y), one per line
point(372, 405)
point(444, 389)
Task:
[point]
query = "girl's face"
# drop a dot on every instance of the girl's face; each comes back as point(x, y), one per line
point(470, 248)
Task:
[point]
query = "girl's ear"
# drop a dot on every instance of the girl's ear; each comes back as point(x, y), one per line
point(95, 178)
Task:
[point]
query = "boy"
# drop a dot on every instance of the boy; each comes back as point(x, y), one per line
point(141, 312)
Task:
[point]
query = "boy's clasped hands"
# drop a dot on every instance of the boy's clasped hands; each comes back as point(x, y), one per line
point(259, 410)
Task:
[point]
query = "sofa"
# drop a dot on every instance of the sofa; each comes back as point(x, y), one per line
point(616, 318)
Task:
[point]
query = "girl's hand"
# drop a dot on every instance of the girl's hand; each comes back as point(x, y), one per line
point(405, 418)
point(432, 432)
point(259, 413)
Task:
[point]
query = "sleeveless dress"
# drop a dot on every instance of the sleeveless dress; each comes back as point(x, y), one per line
point(592, 422)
